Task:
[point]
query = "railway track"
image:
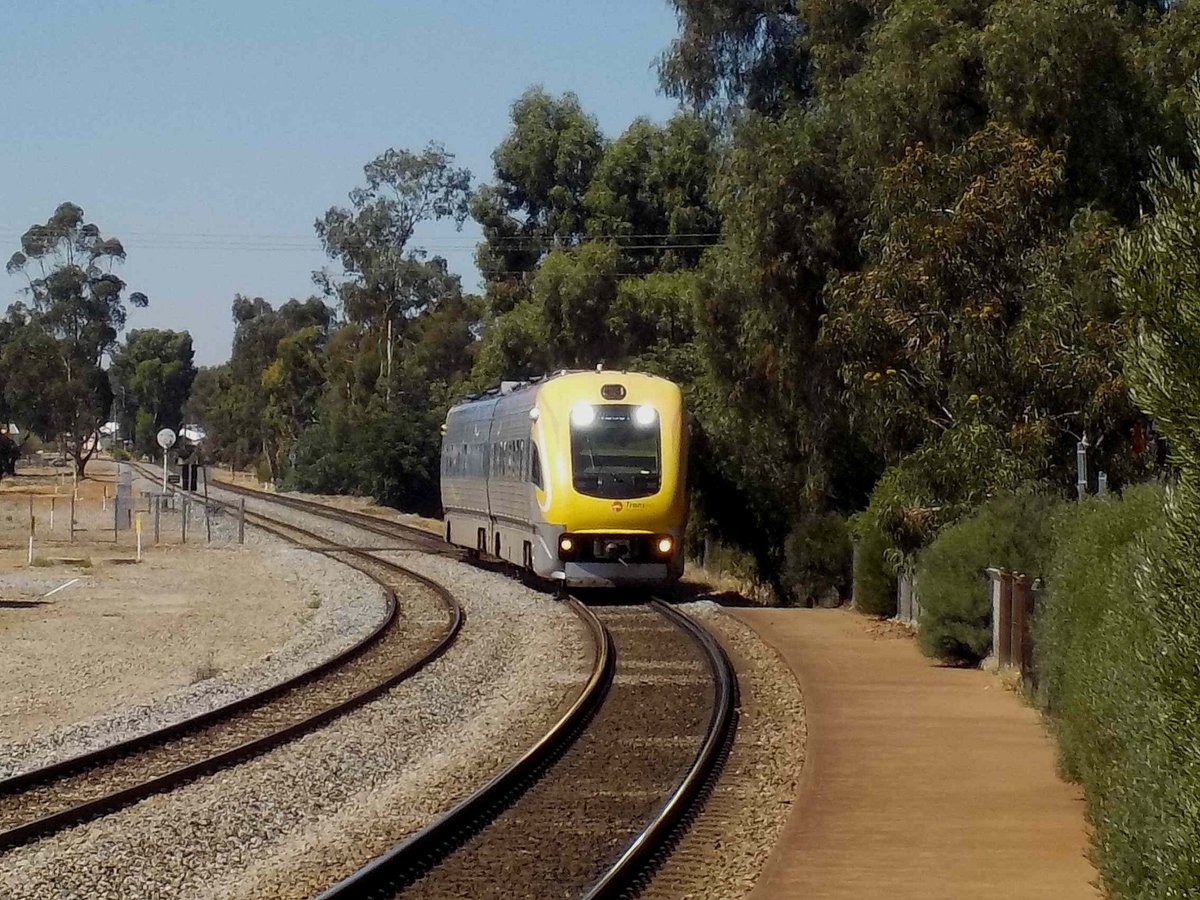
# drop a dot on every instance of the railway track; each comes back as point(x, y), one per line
point(418, 537)
point(583, 813)
point(585, 810)
point(41, 801)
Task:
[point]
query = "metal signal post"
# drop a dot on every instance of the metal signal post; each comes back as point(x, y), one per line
point(166, 440)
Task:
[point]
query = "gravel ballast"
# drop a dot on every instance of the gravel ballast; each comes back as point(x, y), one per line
point(303, 815)
point(335, 607)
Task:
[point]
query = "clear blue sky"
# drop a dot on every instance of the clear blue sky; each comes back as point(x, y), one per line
point(209, 136)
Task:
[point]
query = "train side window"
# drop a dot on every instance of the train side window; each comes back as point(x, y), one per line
point(535, 467)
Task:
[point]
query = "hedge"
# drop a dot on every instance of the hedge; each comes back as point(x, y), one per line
point(874, 575)
point(1010, 531)
point(1118, 638)
point(816, 564)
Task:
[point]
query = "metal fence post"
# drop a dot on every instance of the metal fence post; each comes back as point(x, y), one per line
point(157, 517)
point(184, 508)
point(242, 521)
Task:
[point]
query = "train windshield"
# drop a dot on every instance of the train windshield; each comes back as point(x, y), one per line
point(616, 451)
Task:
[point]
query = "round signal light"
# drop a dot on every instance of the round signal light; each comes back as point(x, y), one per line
point(566, 545)
point(665, 545)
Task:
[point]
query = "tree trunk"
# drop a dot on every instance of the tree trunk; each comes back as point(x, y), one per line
point(81, 462)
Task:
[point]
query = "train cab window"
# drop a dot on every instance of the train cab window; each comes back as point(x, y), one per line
point(535, 467)
point(616, 451)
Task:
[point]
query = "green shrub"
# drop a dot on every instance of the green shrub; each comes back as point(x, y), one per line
point(816, 566)
point(874, 575)
point(1010, 531)
point(120, 454)
point(1078, 626)
point(262, 470)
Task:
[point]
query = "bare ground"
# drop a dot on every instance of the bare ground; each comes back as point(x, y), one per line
point(84, 630)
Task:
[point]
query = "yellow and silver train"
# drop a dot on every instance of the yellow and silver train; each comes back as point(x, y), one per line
point(579, 477)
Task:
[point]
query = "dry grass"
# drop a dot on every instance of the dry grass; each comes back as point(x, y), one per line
point(716, 582)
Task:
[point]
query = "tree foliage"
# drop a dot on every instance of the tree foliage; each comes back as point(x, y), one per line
point(76, 311)
point(543, 168)
point(152, 375)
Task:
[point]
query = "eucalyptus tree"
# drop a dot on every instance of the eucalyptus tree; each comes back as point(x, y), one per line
point(535, 203)
point(78, 302)
point(152, 375)
point(385, 282)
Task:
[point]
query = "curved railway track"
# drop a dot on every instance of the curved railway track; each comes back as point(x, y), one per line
point(41, 801)
point(583, 812)
point(424, 540)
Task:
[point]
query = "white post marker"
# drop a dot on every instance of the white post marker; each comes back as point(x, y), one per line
point(51, 513)
point(59, 588)
point(137, 525)
point(166, 440)
point(32, 527)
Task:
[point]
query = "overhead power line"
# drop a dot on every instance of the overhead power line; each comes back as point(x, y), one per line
point(183, 242)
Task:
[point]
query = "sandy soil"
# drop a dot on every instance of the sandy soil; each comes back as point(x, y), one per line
point(920, 781)
point(118, 633)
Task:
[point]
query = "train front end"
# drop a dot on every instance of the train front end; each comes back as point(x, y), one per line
point(613, 501)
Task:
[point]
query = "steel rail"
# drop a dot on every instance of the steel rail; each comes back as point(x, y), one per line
point(376, 524)
point(38, 827)
point(659, 830)
point(389, 873)
point(24, 780)
point(422, 849)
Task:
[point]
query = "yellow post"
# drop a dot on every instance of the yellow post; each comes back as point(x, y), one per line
point(137, 525)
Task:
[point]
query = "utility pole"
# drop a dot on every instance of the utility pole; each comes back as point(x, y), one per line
point(1081, 479)
point(388, 390)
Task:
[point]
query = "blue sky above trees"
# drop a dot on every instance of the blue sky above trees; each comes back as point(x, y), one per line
point(209, 137)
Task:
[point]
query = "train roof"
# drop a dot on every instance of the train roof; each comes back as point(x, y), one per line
point(508, 387)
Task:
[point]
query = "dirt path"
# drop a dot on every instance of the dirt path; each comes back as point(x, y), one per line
point(920, 781)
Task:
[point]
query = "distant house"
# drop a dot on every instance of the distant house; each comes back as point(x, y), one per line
point(110, 434)
point(193, 432)
point(11, 430)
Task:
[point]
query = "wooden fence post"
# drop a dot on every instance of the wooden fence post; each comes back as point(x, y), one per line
point(1022, 625)
point(242, 521)
point(1001, 616)
point(183, 519)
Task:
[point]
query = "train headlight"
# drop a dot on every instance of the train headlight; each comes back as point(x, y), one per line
point(583, 415)
point(645, 415)
point(665, 545)
point(566, 545)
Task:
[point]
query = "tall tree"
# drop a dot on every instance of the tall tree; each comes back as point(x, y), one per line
point(651, 194)
point(77, 300)
point(1145, 801)
point(739, 53)
point(535, 204)
point(232, 401)
point(152, 375)
point(385, 282)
